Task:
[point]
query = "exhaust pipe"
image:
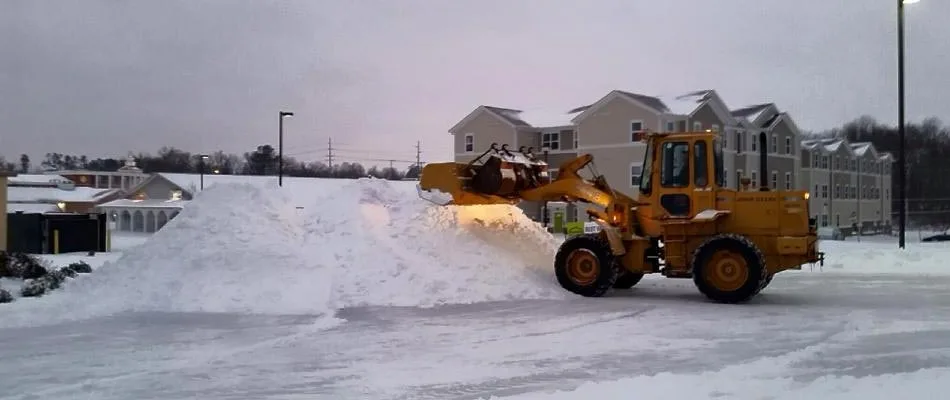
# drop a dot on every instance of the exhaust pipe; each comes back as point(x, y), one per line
point(763, 163)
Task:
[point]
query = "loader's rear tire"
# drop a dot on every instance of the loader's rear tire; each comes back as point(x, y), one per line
point(729, 268)
point(585, 265)
point(627, 280)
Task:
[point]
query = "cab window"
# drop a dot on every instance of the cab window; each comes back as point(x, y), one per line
point(675, 161)
point(701, 178)
point(646, 174)
point(718, 163)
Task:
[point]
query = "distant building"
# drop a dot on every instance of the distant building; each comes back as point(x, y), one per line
point(850, 183)
point(44, 193)
point(4, 176)
point(125, 178)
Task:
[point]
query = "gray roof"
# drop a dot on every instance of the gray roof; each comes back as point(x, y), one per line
point(750, 110)
point(650, 101)
point(509, 114)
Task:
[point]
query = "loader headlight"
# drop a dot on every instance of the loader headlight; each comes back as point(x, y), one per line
point(617, 214)
point(807, 195)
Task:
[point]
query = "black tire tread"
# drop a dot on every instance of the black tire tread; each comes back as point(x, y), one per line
point(610, 269)
point(752, 251)
point(627, 279)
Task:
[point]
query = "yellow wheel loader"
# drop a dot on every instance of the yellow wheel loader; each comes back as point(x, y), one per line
point(730, 242)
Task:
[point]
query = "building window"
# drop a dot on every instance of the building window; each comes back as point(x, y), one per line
point(635, 171)
point(824, 162)
point(636, 131)
point(854, 192)
point(788, 145)
point(551, 140)
point(739, 141)
point(755, 179)
point(824, 219)
point(738, 178)
point(837, 191)
point(824, 191)
point(753, 143)
point(577, 140)
point(469, 142)
point(670, 126)
point(697, 126)
point(887, 194)
point(715, 128)
point(774, 180)
point(788, 181)
point(816, 192)
point(774, 143)
point(725, 178)
point(175, 195)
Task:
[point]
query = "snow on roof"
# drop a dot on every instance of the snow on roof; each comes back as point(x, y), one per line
point(53, 194)
point(509, 114)
point(756, 115)
point(861, 148)
point(31, 208)
point(752, 112)
point(38, 178)
point(684, 104)
point(833, 146)
point(152, 203)
point(547, 119)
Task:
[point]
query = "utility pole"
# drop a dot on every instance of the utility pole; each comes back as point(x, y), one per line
point(418, 155)
point(330, 152)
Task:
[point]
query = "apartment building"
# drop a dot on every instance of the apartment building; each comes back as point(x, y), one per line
point(850, 184)
point(610, 129)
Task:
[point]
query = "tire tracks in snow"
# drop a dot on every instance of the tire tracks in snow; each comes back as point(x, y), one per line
point(321, 324)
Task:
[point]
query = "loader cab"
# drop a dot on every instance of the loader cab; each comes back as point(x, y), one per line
point(681, 173)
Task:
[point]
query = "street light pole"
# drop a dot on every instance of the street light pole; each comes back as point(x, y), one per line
point(201, 169)
point(902, 163)
point(280, 146)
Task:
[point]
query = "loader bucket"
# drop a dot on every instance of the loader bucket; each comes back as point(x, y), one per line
point(446, 184)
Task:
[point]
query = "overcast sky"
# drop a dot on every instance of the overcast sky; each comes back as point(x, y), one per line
point(103, 78)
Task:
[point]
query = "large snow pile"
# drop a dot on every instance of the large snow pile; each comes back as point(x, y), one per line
point(885, 258)
point(235, 248)
point(391, 248)
point(256, 249)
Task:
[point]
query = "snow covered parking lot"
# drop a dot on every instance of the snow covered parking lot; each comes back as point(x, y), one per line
point(371, 307)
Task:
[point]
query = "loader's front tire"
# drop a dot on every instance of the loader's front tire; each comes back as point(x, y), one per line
point(585, 265)
point(765, 283)
point(729, 268)
point(627, 280)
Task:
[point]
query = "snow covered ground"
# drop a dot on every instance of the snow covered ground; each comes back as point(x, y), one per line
point(357, 290)
point(121, 242)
